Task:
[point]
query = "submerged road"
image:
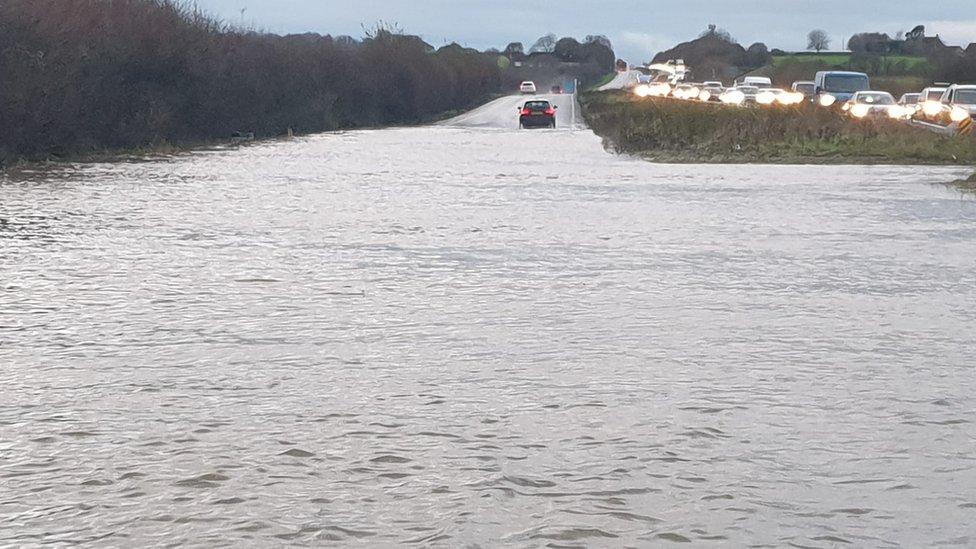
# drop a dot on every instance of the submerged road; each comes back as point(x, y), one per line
point(469, 335)
point(503, 113)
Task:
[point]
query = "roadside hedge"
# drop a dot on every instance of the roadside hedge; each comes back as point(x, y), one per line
point(80, 76)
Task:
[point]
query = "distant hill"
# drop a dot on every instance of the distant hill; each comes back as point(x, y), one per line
point(715, 55)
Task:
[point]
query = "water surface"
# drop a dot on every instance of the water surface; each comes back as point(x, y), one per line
point(480, 337)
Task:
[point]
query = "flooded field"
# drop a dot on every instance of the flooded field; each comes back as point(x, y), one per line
point(472, 336)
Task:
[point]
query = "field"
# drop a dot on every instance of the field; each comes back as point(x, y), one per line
point(846, 60)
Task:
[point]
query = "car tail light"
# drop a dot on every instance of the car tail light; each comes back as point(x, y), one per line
point(526, 112)
point(550, 112)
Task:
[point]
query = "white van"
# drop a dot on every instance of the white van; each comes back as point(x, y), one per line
point(760, 82)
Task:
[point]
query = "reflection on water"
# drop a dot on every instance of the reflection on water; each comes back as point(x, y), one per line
point(445, 337)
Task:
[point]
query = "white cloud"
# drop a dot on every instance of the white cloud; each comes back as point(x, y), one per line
point(639, 47)
point(953, 33)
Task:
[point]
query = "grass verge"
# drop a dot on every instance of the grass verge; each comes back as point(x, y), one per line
point(668, 130)
point(967, 184)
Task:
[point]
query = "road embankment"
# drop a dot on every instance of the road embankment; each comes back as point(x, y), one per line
point(669, 130)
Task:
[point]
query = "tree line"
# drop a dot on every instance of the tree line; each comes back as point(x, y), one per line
point(588, 61)
point(870, 51)
point(78, 76)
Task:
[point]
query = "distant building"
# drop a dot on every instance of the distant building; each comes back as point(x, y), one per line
point(926, 45)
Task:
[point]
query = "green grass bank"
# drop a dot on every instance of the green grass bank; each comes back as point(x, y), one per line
point(668, 130)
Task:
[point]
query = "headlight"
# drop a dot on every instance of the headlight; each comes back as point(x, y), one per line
point(958, 114)
point(932, 108)
point(790, 98)
point(897, 112)
point(734, 97)
point(705, 95)
point(766, 98)
point(860, 111)
point(827, 100)
point(642, 91)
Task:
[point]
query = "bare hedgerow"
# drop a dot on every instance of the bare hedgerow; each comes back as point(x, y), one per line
point(85, 75)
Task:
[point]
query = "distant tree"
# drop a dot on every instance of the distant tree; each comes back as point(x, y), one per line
point(381, 30)
point(545, 44)
point(916, 33)
point(870, 42)
point(722, 34)
point(818, 40)
point(599, 39)
point(598, 54)
point(758, 55)
point(514, 49)
point(568, 49)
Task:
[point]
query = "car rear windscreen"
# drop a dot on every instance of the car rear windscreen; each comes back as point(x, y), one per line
point(537, 105)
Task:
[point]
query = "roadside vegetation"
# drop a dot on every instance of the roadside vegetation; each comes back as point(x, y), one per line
point(86, 76)
point(668, 130)
point(967, 184)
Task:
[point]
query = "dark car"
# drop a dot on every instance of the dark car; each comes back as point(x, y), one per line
point(537, 114)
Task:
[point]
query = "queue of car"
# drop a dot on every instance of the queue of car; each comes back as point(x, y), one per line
point(940, 104)
point(955, 104)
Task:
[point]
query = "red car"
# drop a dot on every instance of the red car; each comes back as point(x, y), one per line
point(537, 114)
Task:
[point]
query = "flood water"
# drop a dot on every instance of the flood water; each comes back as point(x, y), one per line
point(479, 337)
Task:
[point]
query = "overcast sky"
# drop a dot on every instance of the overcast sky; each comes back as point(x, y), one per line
point(638, 28)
